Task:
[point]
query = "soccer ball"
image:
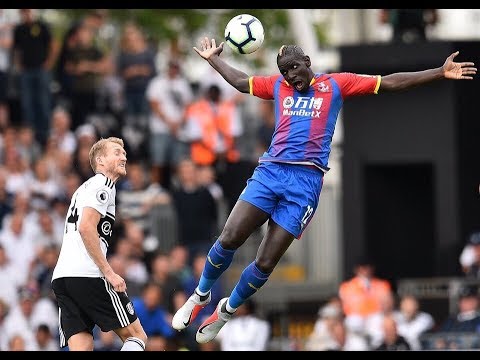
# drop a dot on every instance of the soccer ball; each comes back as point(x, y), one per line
point(244, 34)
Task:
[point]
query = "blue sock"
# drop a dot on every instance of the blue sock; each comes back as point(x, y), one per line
point(218, 260)
point(251, 280)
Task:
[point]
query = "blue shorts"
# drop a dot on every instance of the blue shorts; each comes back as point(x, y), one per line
point(289, 193)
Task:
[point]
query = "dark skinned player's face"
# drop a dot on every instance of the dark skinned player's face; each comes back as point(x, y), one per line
point(296, 71)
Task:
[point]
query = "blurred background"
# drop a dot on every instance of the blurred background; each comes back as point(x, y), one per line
point(391, 258)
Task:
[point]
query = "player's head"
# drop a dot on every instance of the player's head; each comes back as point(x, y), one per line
point(108, 156)
point(294, 65)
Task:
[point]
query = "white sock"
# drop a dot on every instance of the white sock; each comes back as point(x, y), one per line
point(133, 344)
point(230, 309)
point(201, 293)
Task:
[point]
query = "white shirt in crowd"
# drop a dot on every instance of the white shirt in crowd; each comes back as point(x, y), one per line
point(173, 96)
point(244, 333)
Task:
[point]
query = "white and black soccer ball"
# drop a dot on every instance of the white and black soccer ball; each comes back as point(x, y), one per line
point(244, 34)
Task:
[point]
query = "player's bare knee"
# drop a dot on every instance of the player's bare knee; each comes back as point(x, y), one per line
point(265, 265)
point(132, 330)
point(229, 239)
point(140, 334)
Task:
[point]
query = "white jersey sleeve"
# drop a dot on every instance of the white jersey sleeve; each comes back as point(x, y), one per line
point(99, 192)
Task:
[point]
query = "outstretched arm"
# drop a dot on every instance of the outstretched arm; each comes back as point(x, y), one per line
point(449, 70)
point(210, 52)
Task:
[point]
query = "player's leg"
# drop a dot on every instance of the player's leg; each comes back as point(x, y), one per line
point(116, 312)
point(253, 208)
point(74, 326)
point(82, 341)
point(133, 337)
point(93, 301)
point(244, 219)
point(300, 191)
point(298, 199)
point(274, 244)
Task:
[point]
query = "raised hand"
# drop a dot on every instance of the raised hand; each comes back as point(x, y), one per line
point(208, 48)
point(458, 71)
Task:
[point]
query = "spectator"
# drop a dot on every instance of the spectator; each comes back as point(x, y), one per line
point(9, 280)
point(392, 341)
point(17, 241)
point(43, 271)
point(60, 130)
point(266, 127)
point(409, 25)
point(64, 78)
point(21, 204)
point(172, 293)
point(96, 20)
point(169, 96)
point(246, 331)
point(20, 320)
point(196, 209)
point(412, 322)
point(213, 127)
point(34, 56)
point(86, 64)
point(45, 340)
point(136, 67)
point(138, 195)
point(361, 295)
point(207, 177)
point(18, 173)
point(4, 308)
point(28, 147)
point(6, 199)
point(470, 256)
point(153, 316)
point(330, 332)
point(179, 260)
point(43, 187)
point(6, 40)
point(467, 318)
point(374, 323)
point(17, 342)
point(136, 274)
point(106, 340)
point(121, 265)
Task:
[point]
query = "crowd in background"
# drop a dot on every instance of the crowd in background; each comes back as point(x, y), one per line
point(185, 153)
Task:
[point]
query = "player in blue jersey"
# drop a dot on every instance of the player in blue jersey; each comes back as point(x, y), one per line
point(285, 187)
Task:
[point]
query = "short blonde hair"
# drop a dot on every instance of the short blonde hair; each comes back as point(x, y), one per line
point(99, 149)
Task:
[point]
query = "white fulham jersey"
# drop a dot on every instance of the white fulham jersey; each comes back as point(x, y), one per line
point(98, 193)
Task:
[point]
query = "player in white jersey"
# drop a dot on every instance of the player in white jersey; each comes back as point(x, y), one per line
point(87, 290)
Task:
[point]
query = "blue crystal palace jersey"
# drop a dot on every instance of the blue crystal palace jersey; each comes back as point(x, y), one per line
point(305, 122)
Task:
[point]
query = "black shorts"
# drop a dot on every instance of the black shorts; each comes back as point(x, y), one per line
point(85, 302)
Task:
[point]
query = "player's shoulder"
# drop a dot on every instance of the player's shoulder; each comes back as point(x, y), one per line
point(99, 180)
point(334, 75)
point(271, 78)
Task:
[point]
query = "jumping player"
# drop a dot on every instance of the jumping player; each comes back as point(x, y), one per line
point(285, 186)
point(87, 290)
